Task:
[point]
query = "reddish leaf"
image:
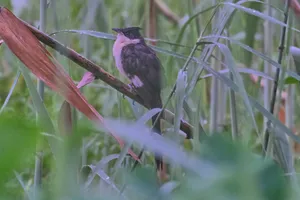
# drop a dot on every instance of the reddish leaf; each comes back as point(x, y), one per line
point(87, 78)
point(295, 6)
point(40, 62)
point(65, 113)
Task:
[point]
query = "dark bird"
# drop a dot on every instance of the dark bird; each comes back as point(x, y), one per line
point(139, 63)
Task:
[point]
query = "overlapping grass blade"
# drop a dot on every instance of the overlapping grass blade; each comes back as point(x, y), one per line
point(10, 92)
point(257, 53)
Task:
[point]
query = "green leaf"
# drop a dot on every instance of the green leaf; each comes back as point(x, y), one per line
point(251, 29)
point(229, 60)
point(10, 92)
point(259, 14)
point(44, 118)
point(258, 54)
point(290, 80)
point(179, 99)
point(244, 175)
point(144, 182)
point(109, 36)
point(18, 137)
point(254, 103)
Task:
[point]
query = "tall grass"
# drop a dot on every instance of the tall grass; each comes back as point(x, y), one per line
point(215, 55)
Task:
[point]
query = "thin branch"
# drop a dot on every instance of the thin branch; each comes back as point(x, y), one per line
point(100, 73)
point(152, 23)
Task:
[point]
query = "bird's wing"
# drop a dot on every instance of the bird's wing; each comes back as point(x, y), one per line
point(143, 68)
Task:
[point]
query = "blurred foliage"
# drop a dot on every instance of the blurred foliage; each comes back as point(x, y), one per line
point(243, 173)
point(19, 135)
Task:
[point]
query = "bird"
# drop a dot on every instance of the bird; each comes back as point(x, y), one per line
point(139, 63)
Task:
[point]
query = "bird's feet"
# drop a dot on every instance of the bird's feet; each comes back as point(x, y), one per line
point(132, 89)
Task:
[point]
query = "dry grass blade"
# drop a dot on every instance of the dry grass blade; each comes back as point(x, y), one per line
point(166, 11)
point(40, 62)
point(151, 26)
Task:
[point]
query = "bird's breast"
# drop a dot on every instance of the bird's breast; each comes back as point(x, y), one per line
point(121, 42)
point(117, 50)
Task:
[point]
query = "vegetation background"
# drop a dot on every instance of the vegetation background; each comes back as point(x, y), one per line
point(224, 58)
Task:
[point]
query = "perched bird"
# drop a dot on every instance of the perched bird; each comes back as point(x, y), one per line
point(139, 63)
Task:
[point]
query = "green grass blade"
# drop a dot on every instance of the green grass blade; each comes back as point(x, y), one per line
point(10, 92)
point(259, 14)
point(259, 54)
point(44, 118)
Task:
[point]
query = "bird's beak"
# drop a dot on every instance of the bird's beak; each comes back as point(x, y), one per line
point(118, 30)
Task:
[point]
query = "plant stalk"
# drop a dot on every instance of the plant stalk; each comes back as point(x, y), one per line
point(276, 79)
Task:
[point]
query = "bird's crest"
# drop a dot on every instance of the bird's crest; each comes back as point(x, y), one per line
point(130, 32)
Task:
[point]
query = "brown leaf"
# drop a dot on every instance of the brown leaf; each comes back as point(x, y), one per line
point(296, 6)
point(65, 113)
point(40, 62)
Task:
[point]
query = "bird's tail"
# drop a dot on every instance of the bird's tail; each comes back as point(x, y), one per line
point(157, 129)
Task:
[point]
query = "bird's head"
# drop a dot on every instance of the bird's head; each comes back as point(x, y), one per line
point(129, 32)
